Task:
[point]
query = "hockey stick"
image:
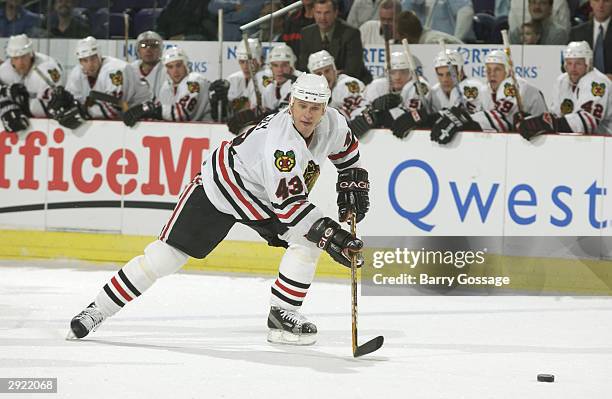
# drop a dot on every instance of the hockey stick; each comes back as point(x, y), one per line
point(252, 72)
point(220, 38)
point(519, 100)
point(126, 34)
point(387, 35)
point(454, 75)
point(107, 98)
point(375, 343)
point(414, 74)
point(274, 14)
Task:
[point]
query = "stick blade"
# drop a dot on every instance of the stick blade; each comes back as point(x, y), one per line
point(369, 347)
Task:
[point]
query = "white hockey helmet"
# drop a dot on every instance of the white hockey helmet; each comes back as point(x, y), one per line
point(254, 46)
point(281, 52)
point(149, 35)
point(579, 50)
point(175, 54)
point(399, 60)
point(498, 57)
point(19, 45)
point(312, 88)
point(319, 60)
point(87, 47)
point(443, 58)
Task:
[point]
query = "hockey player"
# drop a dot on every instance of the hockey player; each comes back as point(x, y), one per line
point(27, 78)
point(148, 66)
point(282, 63)
point(261, 179)
point(581, 98)
point(500, 107)
point(104, 74)
point(183, 97)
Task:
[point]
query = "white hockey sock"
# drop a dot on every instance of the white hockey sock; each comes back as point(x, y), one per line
point(295, 274)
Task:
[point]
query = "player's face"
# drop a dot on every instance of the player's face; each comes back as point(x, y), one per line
point(576, 68)
point(399, 78)
point(22, 64)
point(279, 68)
point(306, 116)
point(244, 67)
point(329, 72)
point(325, 16)
point(91, 65)
point(176, 70)
point(496, 73)
point(445, 79)
point(602, 9)
point(149, 51)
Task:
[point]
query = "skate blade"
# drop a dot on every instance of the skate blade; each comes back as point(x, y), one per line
point(287, 338)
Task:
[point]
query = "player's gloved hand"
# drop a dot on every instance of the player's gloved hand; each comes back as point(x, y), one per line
point(18, 93)
point(533, 126)
point(61, 100)
point(406, 121)
point(242, 119)
point(72, 117)
point(449, 122)
point(387, 102)
point(519, 117)
point(218, 90)
point(364, 122)
point(353, 188)
point(13, 118)
point(148, 109)
point(338, 243)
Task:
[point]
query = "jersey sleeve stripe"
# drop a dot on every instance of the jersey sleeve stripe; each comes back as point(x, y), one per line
point(291, 211)
point(348, 163)
point(179, 111)
point(289, 201)
point(343, 154)
point(591, 120)
point(584, 124)
point(499, 124)
point(301, 215)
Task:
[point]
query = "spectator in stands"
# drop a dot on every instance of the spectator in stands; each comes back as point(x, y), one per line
point(408, 26)
point(274, 32)
point(531, 33)
point(453, 17)
point(519, 14)
point(552, 32)
point(598, 34)
point(302, 17)
point(341, 40)
point(373, 32)
point(363, 11)
point(187, 20)
point(65, 23)
point(15, 19)
point(235, 14)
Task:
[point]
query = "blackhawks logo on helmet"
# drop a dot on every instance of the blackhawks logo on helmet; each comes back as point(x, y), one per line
point(470, 92)
point(598, 89)
point(193, 87)
point(54, 75)
point(266, 80)
point(311, 175)
point(509, 90)
point(116, 78)
point(353, 87)
point(567, 106)
point(284, 161)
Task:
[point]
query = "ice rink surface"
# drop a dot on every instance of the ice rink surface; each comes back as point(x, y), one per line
point(204, 336)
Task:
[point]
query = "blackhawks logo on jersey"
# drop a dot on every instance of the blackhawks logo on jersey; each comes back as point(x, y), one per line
point(266, 80)
point(54, 75)
point(311, 175)
point(193, 87)
point(509, 90)
point(567, 106)
point(470, 92)
point(424, 89)
point(116, 78)
point(352, 86)
point(598, 89)
point(284, 161)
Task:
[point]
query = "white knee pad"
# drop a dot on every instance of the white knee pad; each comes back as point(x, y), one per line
point(303, 253)
point(161, 259)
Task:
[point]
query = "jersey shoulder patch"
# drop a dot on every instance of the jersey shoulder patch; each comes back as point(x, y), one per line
point(266, 80)
point(470, 92)
point(567, 106)
point(509, 90)
point(598, 89)
point(54, 74)
point(116, 78)
point(353, 86)
point(284, 161)
point(193, 87)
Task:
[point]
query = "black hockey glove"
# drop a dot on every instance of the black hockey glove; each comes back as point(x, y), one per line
point(338, 243)
point(18, 93)
point(364, 122)
point(13, 118)
point(353, 188)
point(386, 102)
point(449, 122)
point(410, 120)
point(61, 100)
point(533, 126)
point(148, 109)
point(245, 118)
point(218, 90)
point(72, 118)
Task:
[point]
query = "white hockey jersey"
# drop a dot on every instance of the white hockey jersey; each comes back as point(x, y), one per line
point(500, 107)
point(379, 87)
point(38, 86)
point(276, 96)
point(587, 107)
point(347, 96)
point(268, 172)
point(472, 91)
point(154, 79)
point(187, 101)
point(242, 96)
point(117, 78)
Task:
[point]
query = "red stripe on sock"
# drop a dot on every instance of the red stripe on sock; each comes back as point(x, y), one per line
point(289, 290)
point(120, 290)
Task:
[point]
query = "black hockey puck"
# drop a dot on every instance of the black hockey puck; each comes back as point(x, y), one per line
point(546, 378)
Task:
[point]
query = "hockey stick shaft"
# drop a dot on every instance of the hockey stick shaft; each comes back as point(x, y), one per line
point(519, 100)
point(105, 97)
point(252, 71)
point(413, 72)
point(220, 39)
point(126, 34)
point(274, 14)
point(388, 56)
point(354, 287)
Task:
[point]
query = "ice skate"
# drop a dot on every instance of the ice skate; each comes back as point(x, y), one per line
point(85, 322)
point(290, 327)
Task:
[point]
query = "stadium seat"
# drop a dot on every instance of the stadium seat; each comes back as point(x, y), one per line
point(94, 4)
point(484, 6)
point(99, 23)
point(501, 23)
point(122, 5)
point(145, 19)
point(116, 25)
point(484, 25)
